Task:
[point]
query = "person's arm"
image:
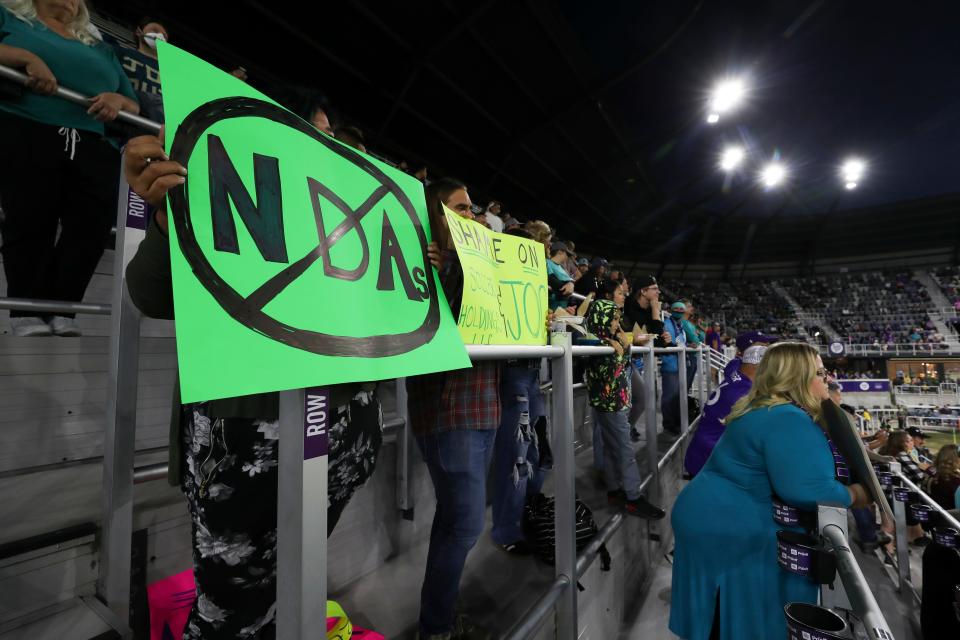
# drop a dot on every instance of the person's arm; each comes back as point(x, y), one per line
point(151, 174)
point(148, 275)
point(800, 464)
point(40, 78)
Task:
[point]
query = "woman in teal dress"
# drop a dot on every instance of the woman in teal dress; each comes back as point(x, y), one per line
point(726, 580)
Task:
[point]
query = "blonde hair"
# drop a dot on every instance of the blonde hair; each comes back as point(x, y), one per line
point(784, 375)
point(947, 462)
point(540, 231)
point(26, 10)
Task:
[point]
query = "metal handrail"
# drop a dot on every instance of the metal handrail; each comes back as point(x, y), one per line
point(530, 621)
point(953, 522)
point(70, 95)
point(855, 584)
point(54, 306)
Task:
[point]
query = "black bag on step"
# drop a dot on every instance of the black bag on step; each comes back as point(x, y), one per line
point(538, 525)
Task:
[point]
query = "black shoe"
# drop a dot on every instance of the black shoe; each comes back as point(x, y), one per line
point(883, 538)
point(634, 435)
point(643, 509)
point(922, 541)
point(616, 498)
point(518, 548)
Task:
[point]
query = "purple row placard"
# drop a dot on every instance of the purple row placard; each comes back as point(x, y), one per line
point(316, 422)
point(138, 211)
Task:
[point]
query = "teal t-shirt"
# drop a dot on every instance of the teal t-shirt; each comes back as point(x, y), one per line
point(87, 69)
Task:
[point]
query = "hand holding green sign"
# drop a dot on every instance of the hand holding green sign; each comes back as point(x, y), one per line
point(297, 260)
point(504, 285)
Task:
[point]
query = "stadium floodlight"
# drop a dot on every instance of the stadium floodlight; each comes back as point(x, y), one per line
point(726, 96)
point(773, 174)
point(731, 158)
point(852, 171)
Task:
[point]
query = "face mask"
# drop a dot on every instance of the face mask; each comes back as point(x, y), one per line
point(677, 315)
point(152, 37)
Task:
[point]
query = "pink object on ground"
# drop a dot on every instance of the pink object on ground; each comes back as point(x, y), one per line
point(170, 601)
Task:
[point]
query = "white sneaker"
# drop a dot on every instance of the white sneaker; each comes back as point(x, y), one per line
point(65, 327)
point(29, 326)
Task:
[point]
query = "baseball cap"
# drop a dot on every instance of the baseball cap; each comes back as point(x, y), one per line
point(916, 432)
point(678, 306)
point(744, 340)
point(583, 261)
point(599, 262)
point(754, 354)
point(559, 245)
point(644, 281)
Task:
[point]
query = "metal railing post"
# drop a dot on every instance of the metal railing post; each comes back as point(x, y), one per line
point(302, 513)
point(833, 596)
point(120, 428)
point(900, 537)
point(650, 384)
point(862, 601)
point(404, 452)
point(565, 480)
point(683, 392)
point(705, 377)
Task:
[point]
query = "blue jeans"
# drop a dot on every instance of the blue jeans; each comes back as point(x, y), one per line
point(516, 457)
point(458, 462)
point(669, 397)
point(620, 464)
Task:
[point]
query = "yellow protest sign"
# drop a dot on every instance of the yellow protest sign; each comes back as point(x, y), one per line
point(504, 285)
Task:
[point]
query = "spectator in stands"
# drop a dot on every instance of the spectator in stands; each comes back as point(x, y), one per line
point(590, 281)
point(725, 575)
point(715, 337)
point(57, 168)
point(517, 474)
point(946, 481)
point(670, 369)
point(865, 517)
point(540, 231)
point(223, 453)
point(694, 338)
point(642, 317)
point(509, 222)
point(900, 445)
point(721, 402)
point(454, 415)
point(583, 265)
point(492, 215)
point(352, 137)
point(608, 386)
point(558, 280)
point(920, 453)
point(141, 66)
point(571, 265)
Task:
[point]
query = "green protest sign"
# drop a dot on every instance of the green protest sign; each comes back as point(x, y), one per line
point(297, 261)
point(504, 285)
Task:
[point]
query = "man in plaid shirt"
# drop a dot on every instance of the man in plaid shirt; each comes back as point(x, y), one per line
point(454, 416)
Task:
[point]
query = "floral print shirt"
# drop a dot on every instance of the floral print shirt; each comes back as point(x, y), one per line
point(608, 377)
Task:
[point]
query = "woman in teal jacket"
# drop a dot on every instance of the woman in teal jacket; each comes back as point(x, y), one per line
point(726, 580)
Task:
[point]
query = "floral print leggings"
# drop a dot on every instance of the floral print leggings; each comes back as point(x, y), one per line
point(231, 485)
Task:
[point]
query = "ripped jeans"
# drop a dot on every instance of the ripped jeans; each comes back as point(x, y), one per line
point(516, 458)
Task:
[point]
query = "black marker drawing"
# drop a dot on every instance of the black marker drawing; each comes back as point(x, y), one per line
point(265, 223)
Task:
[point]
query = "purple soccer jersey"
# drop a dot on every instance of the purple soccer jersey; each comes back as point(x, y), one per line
point(735, 386)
